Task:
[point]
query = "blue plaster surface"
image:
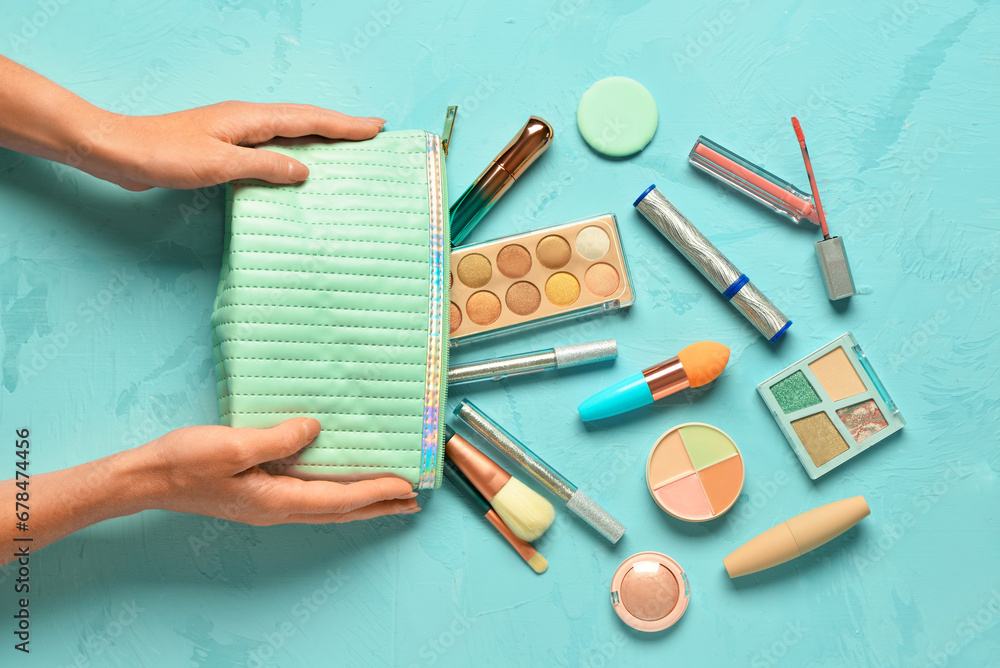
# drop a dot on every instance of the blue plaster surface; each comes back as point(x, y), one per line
point(105, 299)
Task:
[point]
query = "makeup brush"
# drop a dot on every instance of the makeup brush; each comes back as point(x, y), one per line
point(525, 511)
point(454, 475)
point(576, 499)
point(697, 365)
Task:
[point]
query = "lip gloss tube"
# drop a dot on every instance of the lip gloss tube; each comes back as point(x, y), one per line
point(522, 151)
point(753, 181)
point(713, 265)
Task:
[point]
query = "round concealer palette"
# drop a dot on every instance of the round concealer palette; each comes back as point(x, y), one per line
point(529, 278)
point(695, 472)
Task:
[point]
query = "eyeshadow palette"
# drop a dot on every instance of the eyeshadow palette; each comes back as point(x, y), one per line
point(538, 277)
point(695, 472)
point(831, 406)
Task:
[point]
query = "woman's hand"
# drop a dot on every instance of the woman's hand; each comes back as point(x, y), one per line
point(214, 471)
point(209, 145)
point(205, 470)
point(187, 149)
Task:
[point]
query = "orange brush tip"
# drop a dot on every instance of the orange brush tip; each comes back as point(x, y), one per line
point(703, 361)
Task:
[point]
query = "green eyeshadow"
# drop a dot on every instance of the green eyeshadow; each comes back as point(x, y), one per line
point(794, 393)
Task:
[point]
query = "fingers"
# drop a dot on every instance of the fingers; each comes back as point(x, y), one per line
point(380, 509)
point(253, 446)
point(325, 497)
point(255, 163)
point(266, 121)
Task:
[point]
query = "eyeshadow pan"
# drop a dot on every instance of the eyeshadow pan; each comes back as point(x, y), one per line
point(514, 261)
point(601, 279)
point(706, 445)
point(863, 419)
point(837, 375)
point(649, 591)
point(723, 482)
point(794, 393)
point(523, 298)
point(685, 498)
point(669, 460)
point(593, 242)
point(562, 289)
point(820, 438)
point(455, 318)
point(475, 271)
point(553, 252)
point(483, 307)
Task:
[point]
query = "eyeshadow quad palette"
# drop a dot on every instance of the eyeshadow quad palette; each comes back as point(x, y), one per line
point(538, 277)
point(831, 406)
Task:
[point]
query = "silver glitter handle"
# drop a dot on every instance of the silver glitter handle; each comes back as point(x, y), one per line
point(520, 455)
point(515, 365)
point(686, 238)
point(496, 369)
point(587, 509)
point(586, 353)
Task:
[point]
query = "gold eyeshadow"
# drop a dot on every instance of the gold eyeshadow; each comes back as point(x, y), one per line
point(549, 274)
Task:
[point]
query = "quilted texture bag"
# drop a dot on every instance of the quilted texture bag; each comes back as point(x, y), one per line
point(332, 303)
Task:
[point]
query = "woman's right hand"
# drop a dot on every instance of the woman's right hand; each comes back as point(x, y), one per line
point(214, 470)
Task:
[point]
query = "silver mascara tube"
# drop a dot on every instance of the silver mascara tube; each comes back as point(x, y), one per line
point(560, 357)
point(582, 505)
point(713, 265)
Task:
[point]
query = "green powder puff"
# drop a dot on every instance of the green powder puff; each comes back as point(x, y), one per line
point(617, 116)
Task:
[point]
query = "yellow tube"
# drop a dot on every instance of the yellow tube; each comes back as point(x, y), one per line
point(796, 536)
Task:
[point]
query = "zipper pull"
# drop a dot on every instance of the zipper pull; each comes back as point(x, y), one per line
point(449, 124)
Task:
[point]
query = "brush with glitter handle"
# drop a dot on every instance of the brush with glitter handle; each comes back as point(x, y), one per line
point(576, 500)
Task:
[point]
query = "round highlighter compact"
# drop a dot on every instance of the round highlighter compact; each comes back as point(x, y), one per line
point(695, 472)
point(650, 591)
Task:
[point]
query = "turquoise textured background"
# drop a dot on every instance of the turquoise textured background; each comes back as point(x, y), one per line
point(105, 299)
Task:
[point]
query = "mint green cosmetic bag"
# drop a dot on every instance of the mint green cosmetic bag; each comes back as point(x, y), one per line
point(333, 303)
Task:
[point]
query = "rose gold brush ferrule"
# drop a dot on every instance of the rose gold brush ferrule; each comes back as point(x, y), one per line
point(666, 378)
point(488, 476)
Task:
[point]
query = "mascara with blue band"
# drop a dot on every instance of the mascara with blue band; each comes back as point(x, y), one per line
point(713, 265)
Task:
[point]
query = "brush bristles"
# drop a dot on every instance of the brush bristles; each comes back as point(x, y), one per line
point(524, 510)
point(538, 563)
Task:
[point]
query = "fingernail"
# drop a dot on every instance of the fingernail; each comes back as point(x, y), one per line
point(312, 428)
point(410, 511)
point(376, 119)
point(407, 495)
point(297, 172)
